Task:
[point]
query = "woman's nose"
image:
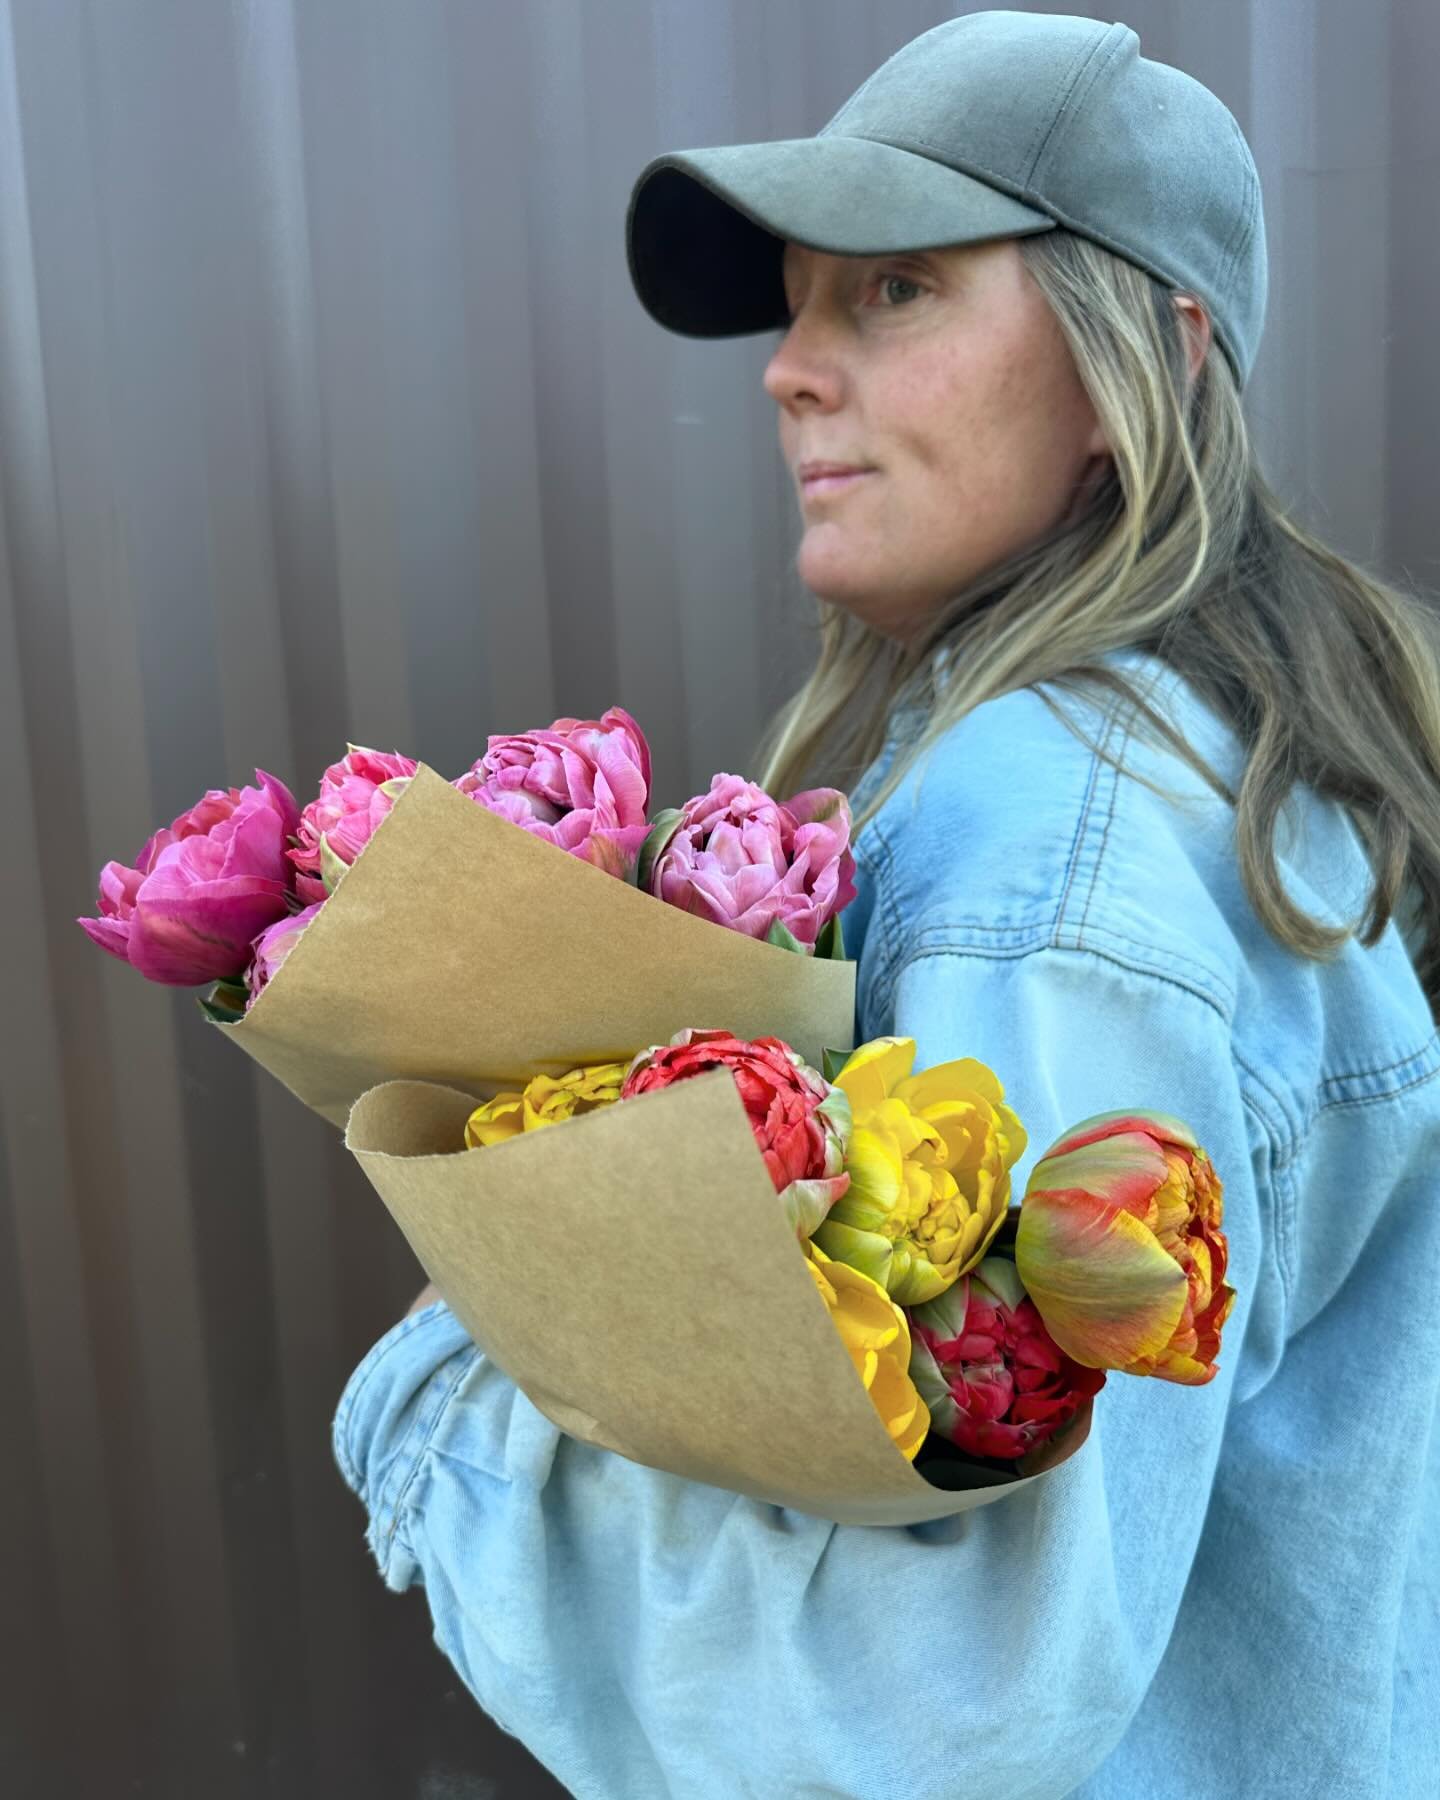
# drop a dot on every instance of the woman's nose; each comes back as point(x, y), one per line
point(804, 367)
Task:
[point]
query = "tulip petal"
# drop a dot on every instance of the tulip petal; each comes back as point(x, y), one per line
point(874, 1068)
point(1126, 1169)
point(1108, 1293)
point(333, 866)
point(933, 1389)
point(876, 1169)
point(914, 1280)
point(866, 1251)
point(834, 1109)
point(961, 1079)
point(899, 1404)
point(1101, 1125)
point(1015, 1135)
point(110, 934)
point(946, 1317)
point(978, 1235)
point(808, 1201)
point(186, 936)
point(1002, 1278)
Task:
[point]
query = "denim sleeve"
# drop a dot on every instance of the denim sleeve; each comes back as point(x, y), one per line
point(386, 1419)
point(650, 1637)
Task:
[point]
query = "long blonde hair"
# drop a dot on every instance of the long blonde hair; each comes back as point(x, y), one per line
point(1329, 675)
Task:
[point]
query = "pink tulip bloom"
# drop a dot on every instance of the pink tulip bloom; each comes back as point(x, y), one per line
point(995, 1381)
point(202, 888)
point(744, 860)
point(271, 948)
point(354, 797)
point(582, 785)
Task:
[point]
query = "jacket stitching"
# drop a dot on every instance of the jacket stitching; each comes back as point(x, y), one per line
point(425, 1429)
point(1388, 1093)
point(1428, 1048)
point(1282, 1185)
point(1287, 1137)
point(885, 905)
point(1199, 977)
point(1148, 958)
point(360, 1379)
point(1114, 775)
point(1072, 862)
point(1155, 972)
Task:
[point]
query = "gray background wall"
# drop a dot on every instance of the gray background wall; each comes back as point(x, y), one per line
point(327, 413)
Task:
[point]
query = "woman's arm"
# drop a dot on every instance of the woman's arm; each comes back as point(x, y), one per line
point(650, 1636)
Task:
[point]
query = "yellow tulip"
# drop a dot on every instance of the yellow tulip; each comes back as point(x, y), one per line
point(545, 1101)
point(877, 1336)
point(498, 1119)
point(929, 1165)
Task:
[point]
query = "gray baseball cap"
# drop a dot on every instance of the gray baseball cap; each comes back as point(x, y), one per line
point(997, 124)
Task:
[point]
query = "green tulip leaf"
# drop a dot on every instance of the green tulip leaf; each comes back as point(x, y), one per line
point(224, 1004)
point(830, 945)
point(654, 847)
point(783, 938)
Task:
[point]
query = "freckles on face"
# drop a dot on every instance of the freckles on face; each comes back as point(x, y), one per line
point(987, 421)
point(965, 400)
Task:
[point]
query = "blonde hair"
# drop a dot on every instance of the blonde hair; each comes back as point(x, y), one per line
point(1329, 674)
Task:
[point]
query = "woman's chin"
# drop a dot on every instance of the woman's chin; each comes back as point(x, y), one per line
point(841, 581)
point(832, 571)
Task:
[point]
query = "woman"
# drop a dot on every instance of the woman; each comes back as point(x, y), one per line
point(1151, 783)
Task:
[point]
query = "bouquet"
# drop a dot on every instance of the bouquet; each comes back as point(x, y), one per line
point(690, 1257)
point(400, 925)
point(750, 1256)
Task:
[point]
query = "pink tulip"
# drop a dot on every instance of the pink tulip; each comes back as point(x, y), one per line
point(582, 785)
point(995, 1381)
point(744, 860)
point(271, 948)
point(355, 795)
point(202, 888)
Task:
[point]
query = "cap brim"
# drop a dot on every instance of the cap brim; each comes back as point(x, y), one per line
point(705, 228)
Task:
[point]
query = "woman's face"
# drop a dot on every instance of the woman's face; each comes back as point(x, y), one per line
point(944, 376)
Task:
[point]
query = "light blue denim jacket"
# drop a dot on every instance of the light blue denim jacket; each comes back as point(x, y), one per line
point(1230, 1590)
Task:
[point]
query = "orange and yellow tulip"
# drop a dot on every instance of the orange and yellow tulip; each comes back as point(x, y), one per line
point(1119, 1245)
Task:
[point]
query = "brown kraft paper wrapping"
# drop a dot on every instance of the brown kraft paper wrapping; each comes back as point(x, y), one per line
point(460, 948)
point(632, 1272)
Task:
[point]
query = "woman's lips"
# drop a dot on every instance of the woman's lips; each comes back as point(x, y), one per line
point(813, 486)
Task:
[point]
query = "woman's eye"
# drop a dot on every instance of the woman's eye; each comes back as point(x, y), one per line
point(885, 285)
point(887, 282)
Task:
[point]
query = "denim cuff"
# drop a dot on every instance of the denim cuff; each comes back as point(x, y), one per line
point(388, 1413)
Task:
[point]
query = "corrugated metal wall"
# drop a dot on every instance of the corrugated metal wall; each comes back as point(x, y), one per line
point(327, 413)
